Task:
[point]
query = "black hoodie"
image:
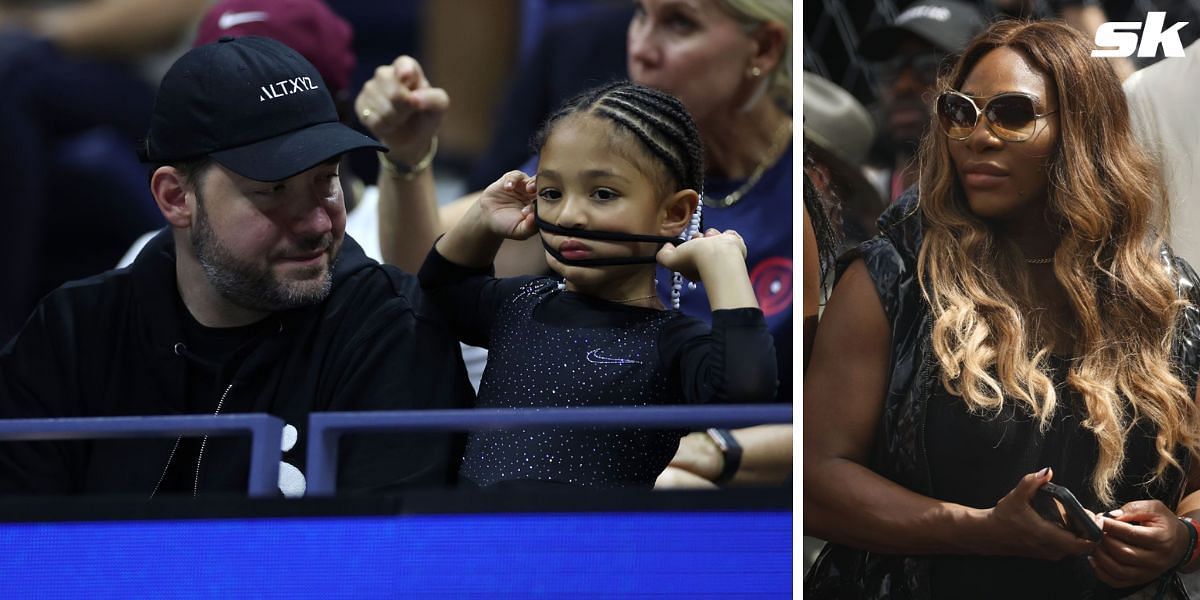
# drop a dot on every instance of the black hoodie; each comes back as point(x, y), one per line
point(107, 346)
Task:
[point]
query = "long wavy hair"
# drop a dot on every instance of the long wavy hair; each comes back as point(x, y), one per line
point(1106, 200)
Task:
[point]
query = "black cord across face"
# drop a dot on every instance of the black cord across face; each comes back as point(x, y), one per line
point(604, 236)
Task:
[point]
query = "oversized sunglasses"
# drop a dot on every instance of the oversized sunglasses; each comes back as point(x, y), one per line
point(1011, 116)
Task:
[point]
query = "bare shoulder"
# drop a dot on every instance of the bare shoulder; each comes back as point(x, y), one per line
point(855, 305)
point(848, 371)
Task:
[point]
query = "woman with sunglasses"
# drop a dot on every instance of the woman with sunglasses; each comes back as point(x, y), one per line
point(1021, 321)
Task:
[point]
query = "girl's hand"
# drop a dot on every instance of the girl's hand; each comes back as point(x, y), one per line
point(506, 206)
point(676, 478)
point(401, 109)
point(1134, 554)
point(690, 257)
point(1016, 529)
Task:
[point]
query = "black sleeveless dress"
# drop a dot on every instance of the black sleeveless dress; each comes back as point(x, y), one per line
point(975, 459)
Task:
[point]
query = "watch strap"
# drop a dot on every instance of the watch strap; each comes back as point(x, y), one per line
point(731, 450)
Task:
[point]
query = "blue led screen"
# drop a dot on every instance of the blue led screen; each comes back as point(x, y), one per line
point(651, 554)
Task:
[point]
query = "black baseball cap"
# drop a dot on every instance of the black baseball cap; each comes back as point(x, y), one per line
point(252, 105)
point(946, 24)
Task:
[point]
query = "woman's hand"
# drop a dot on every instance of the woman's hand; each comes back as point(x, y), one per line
point(1018, 530)
point(691, 257)
point(1134, 554)
point(506, 206)
point(399, 107)
point(697, 455)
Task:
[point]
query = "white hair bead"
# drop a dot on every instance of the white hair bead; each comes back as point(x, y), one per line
point(677, 278)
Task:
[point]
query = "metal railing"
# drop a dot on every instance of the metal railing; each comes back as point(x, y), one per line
point(326, 428)
point(265, 432)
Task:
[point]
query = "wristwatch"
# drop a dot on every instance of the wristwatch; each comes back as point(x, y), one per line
point(731, 450)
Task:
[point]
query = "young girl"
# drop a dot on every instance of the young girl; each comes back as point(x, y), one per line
point(618, 183)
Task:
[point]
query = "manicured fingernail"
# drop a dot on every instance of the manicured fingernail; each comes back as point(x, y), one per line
point(1043, 472)
point(1114, 513)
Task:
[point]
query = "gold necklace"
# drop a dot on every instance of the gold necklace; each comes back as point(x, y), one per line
point(768, 160)
point(1040, 261)
point(635, 299)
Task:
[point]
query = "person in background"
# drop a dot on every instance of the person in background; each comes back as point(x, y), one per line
point(574, 51)
point(744, 49)
point(906, 58)
point(253, 301)
point(838, 132)
point(78, 79)
point(1165, 124)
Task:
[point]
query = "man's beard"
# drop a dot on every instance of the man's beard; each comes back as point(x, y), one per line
point(252, 286)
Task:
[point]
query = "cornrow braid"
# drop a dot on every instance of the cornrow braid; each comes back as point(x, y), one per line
point(657, 119)
point(660, 129)
point(663, 126)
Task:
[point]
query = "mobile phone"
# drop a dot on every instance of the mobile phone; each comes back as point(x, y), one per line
point(1058, 505)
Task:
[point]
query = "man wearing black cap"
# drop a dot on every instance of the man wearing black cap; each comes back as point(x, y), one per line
point(906, 56)
point(252, 301)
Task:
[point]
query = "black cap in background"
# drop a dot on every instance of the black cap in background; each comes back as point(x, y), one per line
point(946, 24)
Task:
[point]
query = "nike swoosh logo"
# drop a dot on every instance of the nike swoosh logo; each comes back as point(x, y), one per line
point(594, 357)
point(233, 19)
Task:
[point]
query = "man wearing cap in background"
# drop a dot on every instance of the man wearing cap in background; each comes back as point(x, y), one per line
point(253, 300)
point(906, 57)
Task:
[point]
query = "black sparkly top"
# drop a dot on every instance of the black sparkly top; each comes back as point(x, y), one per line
point(557, 348)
